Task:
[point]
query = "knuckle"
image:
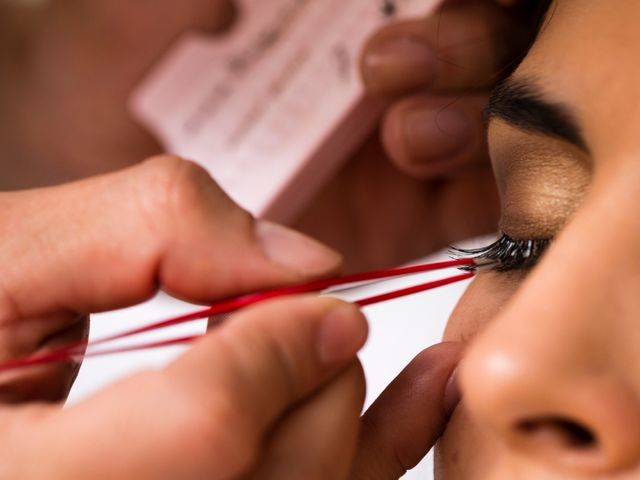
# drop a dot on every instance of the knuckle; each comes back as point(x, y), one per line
point(176, 186)
point(160, 170)
point(173, 182)
point(168, 186)
point(188, 186)
point(172, 189)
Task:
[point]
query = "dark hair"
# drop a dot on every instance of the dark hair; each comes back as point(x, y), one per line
point(540, 14)
point(535, 15)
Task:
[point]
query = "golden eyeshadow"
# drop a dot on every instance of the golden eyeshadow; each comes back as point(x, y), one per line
point(541, 180)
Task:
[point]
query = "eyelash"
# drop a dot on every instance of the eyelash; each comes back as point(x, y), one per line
point(506, 253)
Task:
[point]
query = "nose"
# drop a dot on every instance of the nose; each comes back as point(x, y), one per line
point(551, 405)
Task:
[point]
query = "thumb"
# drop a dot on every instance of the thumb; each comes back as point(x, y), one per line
point(108, 242)
point(402, 425)
point(210, 414)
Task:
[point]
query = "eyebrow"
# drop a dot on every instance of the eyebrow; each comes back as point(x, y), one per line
point(521, 104)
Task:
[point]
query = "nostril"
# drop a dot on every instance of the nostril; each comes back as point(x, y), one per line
point(564, 433)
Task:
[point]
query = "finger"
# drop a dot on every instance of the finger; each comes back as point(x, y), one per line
point(462, 46)
point(432, 137)
point(107, 242)
point(318, 439)
point(405, 421)
point(207, 414)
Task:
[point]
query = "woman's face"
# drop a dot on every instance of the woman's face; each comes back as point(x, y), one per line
point(551, 383)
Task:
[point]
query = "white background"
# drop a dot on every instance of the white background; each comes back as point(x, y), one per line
point(399, 329)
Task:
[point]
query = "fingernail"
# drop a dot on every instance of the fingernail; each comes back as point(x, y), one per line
point(397, 64)
point(452, 394)
point(296, 251)
point(341, 334)
point(434, 133)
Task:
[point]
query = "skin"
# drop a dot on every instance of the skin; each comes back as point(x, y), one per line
point(560, 342)
point(293, 375)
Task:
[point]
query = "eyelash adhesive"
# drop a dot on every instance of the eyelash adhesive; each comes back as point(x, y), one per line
point(273, 108)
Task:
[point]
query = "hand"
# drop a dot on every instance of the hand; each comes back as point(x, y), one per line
point(436, 72)
point(440, 70)
point(109, 242)
point(265, 395)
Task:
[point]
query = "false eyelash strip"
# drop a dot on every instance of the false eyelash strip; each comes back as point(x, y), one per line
point(504, 254)
point(225, 307)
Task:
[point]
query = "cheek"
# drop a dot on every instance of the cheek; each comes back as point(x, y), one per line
point(482, 301)
point(465, 450)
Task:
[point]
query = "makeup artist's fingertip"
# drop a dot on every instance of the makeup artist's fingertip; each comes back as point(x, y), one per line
point(296, 251)
point(398, 64)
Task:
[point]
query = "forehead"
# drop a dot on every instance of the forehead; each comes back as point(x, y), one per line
point(587, 56)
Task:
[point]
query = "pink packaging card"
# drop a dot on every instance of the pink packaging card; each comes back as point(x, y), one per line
point(272, 109)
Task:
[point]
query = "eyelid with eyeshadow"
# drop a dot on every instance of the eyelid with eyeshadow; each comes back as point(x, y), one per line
point(505, 254)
